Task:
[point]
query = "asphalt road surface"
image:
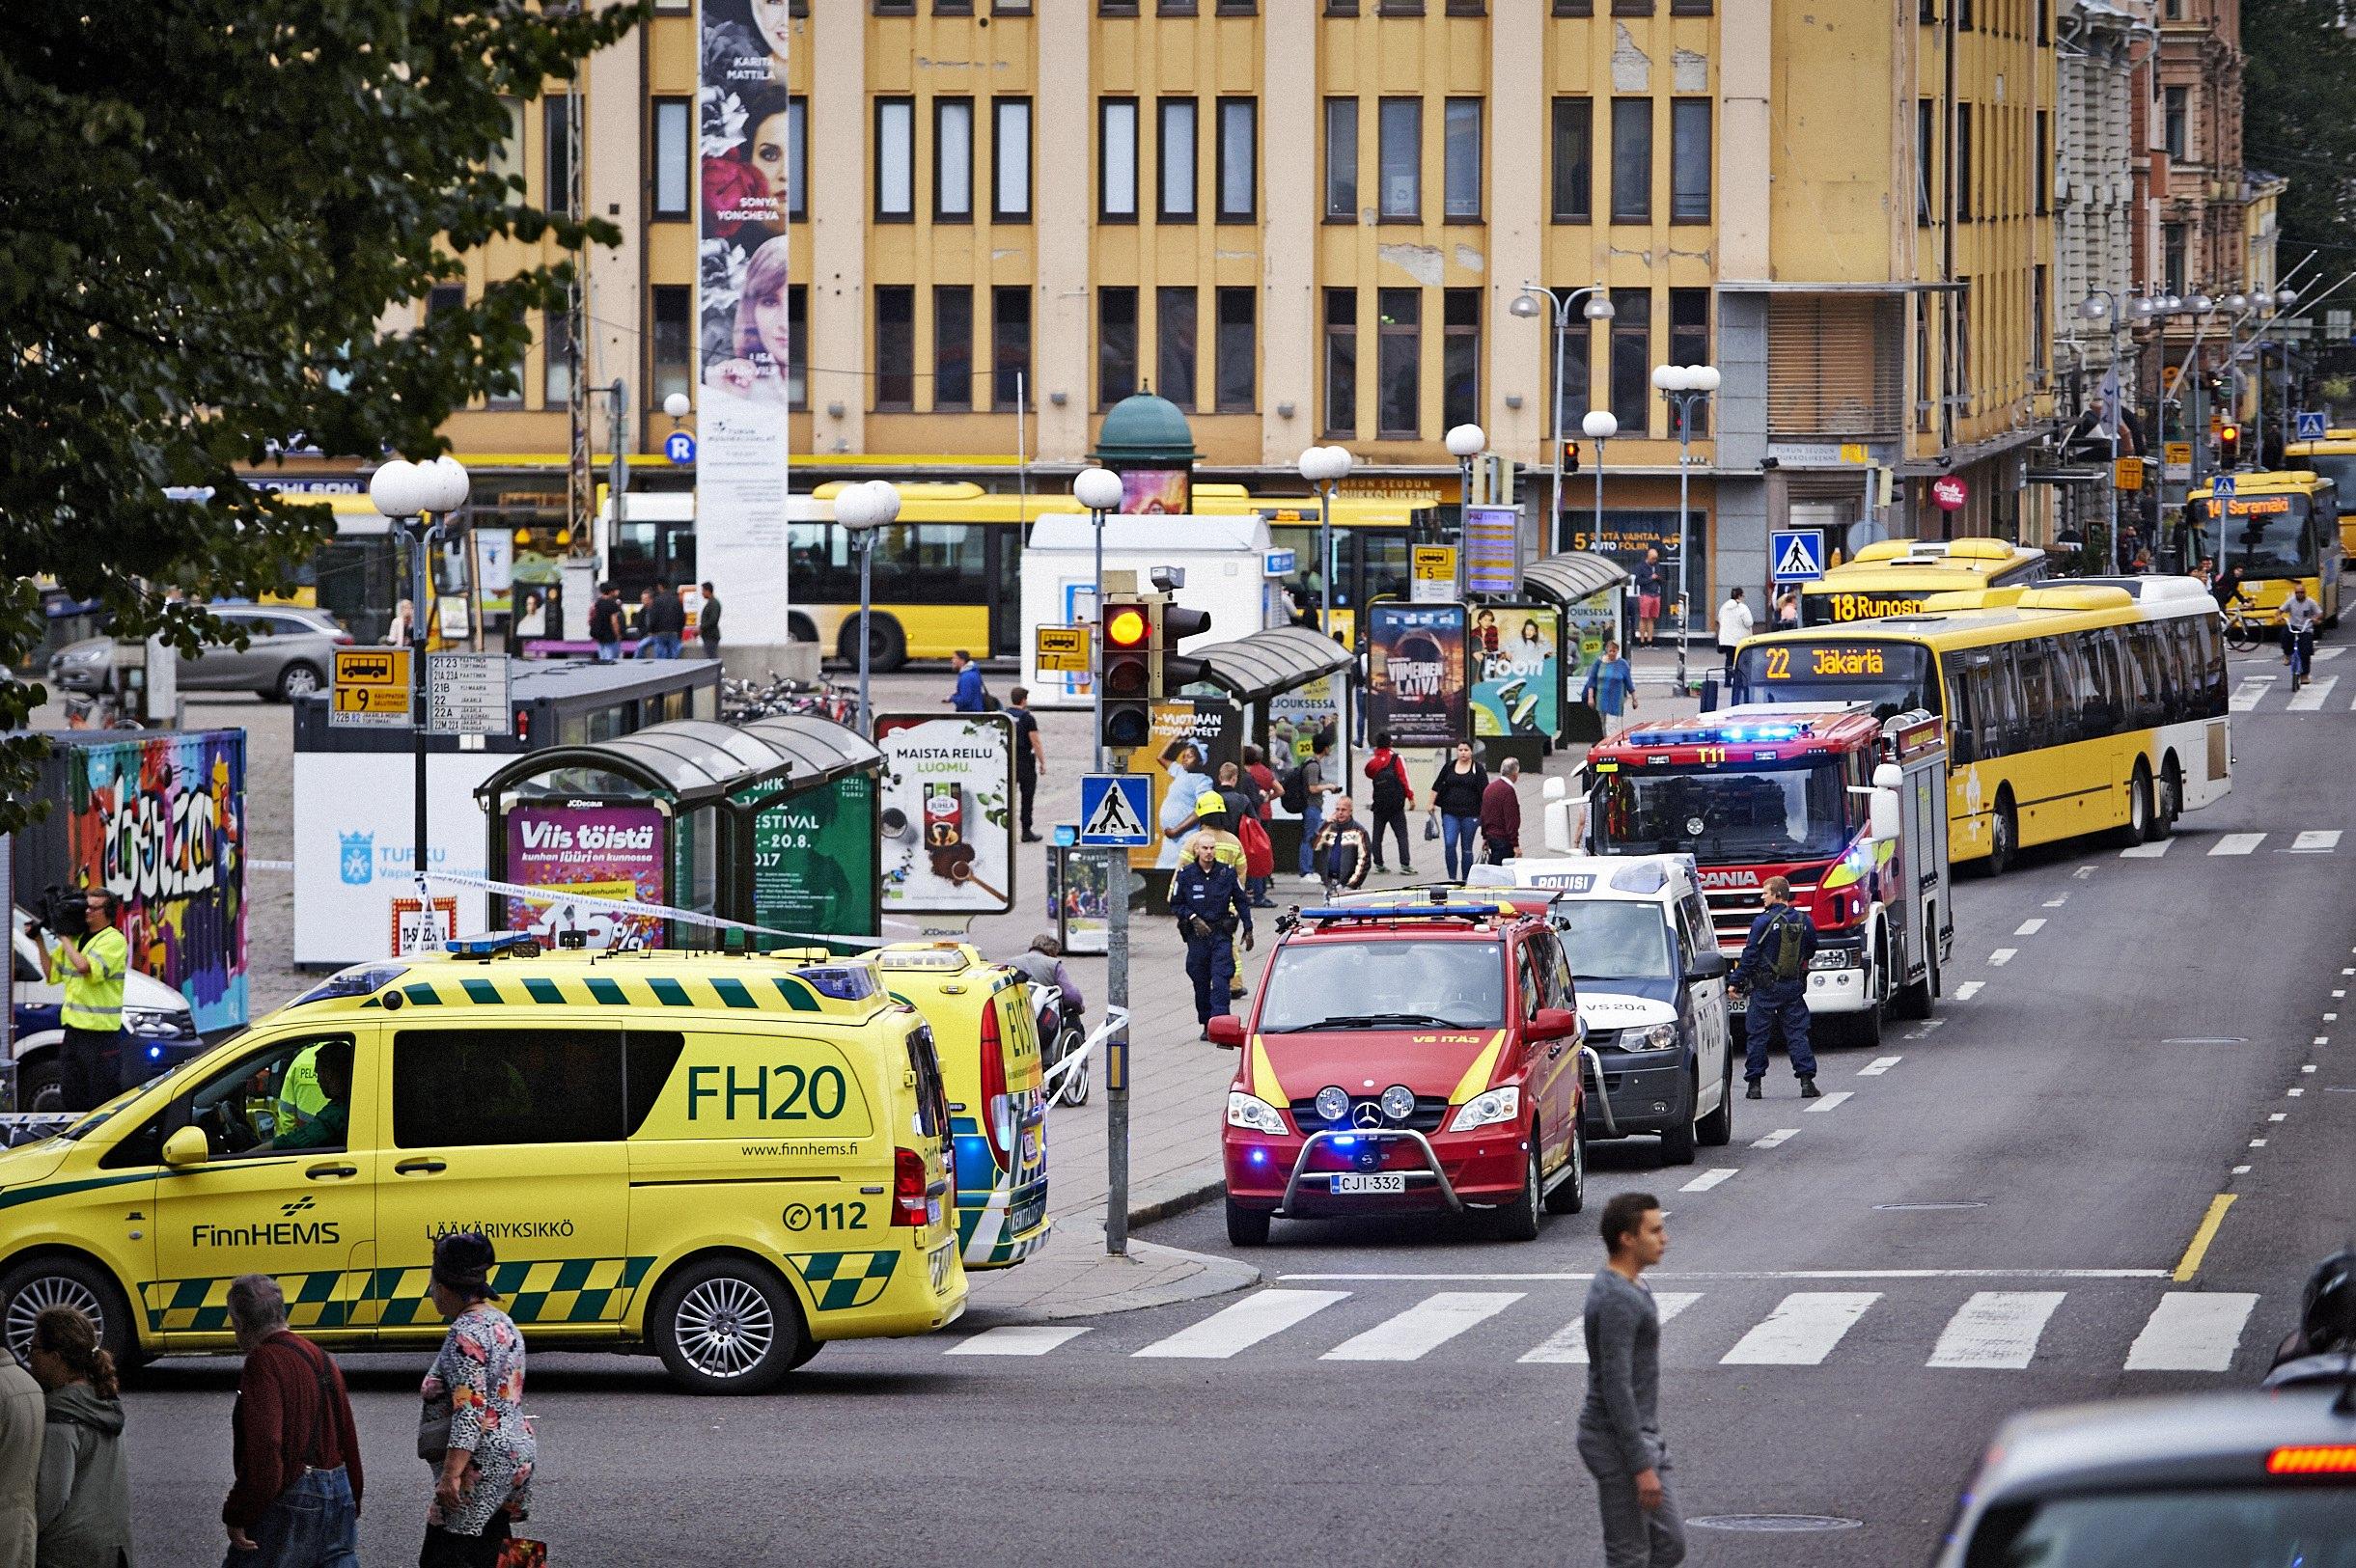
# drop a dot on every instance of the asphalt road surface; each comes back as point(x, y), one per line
point(2001, 1209)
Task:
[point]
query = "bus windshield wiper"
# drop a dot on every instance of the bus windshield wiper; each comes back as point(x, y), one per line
point(1367, 1020)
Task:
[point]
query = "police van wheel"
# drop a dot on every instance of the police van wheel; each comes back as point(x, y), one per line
point(727, 1325)
point(1680, 1139)
point(1717, 1129)
point(42, 1087)
point(29, 1288)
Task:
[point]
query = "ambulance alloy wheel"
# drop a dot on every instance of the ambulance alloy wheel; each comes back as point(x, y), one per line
point(727, 1325)
point(62, 1281)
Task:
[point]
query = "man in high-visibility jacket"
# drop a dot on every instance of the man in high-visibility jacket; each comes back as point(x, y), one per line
point(91, 968)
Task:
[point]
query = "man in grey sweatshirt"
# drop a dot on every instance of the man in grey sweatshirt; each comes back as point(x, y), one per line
point(1620, 1427)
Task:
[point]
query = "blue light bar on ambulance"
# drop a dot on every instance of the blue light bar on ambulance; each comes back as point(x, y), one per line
point(1403, 912)
point(1721, 734)
point(495, 945)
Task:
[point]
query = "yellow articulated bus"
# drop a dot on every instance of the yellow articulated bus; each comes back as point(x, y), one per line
point(1895, 577)
point(2281, 529)
point(2085, 707)
point(948, 573)
point(2334, 458)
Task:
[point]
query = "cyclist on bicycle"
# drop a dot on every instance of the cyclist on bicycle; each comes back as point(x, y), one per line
point(2226, 588)
point(2301, 615)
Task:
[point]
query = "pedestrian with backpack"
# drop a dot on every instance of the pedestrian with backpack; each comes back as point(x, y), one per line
point(1773, 970)
point(1392, 798)
point(1304, 795)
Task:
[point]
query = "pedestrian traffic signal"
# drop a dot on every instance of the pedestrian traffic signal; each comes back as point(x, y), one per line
point(1173, 671)
point(2228, 446)
point(1126, 663)
point(1570, 458)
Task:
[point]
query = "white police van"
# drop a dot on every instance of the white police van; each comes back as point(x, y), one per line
point(1651, 989)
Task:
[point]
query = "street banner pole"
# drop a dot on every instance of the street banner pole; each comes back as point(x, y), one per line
point(1117, 1055)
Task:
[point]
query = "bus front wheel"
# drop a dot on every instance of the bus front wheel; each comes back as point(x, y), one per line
point(887, 646)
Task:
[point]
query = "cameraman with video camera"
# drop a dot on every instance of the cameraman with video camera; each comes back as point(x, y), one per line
point(89, 960)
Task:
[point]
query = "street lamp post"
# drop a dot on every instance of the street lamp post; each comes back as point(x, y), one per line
point(1597, 308)
point(1600, 425)
point(2103, 304)
point(1099, 489)
point(1686, 387)
point(1324, 467)
point(1464, 443)
point(860, 510)
point(422, 498)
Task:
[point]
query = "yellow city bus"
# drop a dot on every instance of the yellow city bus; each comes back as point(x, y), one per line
point(2071, 708)
point(2335, 458)
point(948, 573)
point(1894, 577)
point(2281, 529)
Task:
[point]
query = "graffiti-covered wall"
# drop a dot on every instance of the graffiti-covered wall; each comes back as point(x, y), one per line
point(161, 820)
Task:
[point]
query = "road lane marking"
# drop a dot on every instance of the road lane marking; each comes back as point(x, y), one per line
point(2323, 1039)
point(2000, 957)
point(2312, 697)
point(2031, 927)
point(1996, 1328)
point(2332, 652)
point(2293, 1093)
point(2237, 844)
point(1923, 1030)
point(1567, 1346)
point(1802, 1330)
point(1878, 1066)
point(1968, 990)
point(1245, 1324)
point(1830, 1100)
point(2241, 1170)
point(1707, 1179)
point(1430, 1323)
point(1751, 1273)
point(2085, 871)
point(2191, 1330)
point(2309, 1069)
point(2246, 695)
point(2316, 841)
point(2258, 1143)
point(2055, 904)
point(2280, 1116)
point(1014, 1340)
point(2197, 1247)
point(1781, 1133)
point(2150, 851)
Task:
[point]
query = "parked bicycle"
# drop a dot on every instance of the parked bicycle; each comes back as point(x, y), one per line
point(743, 700)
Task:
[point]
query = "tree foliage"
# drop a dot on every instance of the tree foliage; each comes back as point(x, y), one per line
point(211, 206)
point(2299, 61)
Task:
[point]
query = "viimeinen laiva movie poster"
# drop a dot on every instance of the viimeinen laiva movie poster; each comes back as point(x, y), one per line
point(750, 142)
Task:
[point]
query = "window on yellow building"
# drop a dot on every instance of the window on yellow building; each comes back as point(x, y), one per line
point(1574, 8)
point(895, 349)
point(1238, 160)
point(1175, 159)
point(1237, 8)
point(952, 160)
point(555, 360)
point(1925, 157)
point(1398, 363)
point(1462, 199)
point(1342, 363)
point(2040, 328)
point(1963, 162)
point(953, 7)
point(1237, 369)
point(1010, 347)
point(1631, 8)
point(1116, 160)
point(1398, 8)
point(1460, 358)
point(1926, 392)
point(1116, 7)
point(444, 297)
point(1467, 8)
point(953, 347)
point(1689, 344)
point(1574, 160)
point(1116, 345)
point(1175, 345)
point(1631, 161)
point(1400, 129)
point(556, 143)
point(895, 8)
point(1578, 362)
point(670, 363)
point(895, 160)
point(1341, 160)
point(1010, 160)
point(1175, 8)
point(1963, 15)
point(1689, 160)
point(1689, 8)
point(1967, 378)
point(1632, 360)
point(506, 158)
point(797, 346)
point(2041, 177)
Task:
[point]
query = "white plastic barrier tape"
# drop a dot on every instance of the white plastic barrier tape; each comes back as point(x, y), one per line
point(631, 906)
point(1116, 1019)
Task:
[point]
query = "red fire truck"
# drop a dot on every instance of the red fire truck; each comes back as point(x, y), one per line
point(1850, 809)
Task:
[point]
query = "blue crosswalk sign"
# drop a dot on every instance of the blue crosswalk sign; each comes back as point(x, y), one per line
point(2222, 487)
point(1115, 810)
point(1797, 554)
point(2311, 423)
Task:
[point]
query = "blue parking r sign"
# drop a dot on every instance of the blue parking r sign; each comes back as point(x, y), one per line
point(1797, 554)
point(679, 447)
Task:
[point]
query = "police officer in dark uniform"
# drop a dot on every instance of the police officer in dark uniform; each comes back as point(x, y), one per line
point(1778, 987)
point(1206, 896)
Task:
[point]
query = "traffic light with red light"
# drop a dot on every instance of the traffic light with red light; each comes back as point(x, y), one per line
point(1126, 663)
point(2228, 446)
point(1173, 671)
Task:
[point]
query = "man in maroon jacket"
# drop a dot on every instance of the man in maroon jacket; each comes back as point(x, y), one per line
point(296, 1500)
point(1501, 814)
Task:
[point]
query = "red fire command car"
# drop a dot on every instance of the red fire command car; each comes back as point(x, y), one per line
point(1850, 809)
point(1417, 1056)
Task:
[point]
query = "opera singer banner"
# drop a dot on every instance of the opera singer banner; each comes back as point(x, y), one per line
point(160, 820)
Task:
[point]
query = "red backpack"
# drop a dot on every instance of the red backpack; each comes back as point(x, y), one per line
point(1259, 854)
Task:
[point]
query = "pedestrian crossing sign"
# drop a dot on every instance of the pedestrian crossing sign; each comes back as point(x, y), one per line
point(1797, 554)
point(2311, 423)
point(1114, 811)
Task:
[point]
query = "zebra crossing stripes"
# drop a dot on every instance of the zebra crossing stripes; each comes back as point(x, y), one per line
point(2309, 698)
point(2237, 844)
point(1015, 1339)
point(1568, 1345)
point(1430, 1323)
point(1802, 1330)
point(2246, 695)
point(1996, 1328)
point(2191, 1331)
point(2319, 842)
point(2325, 654)
point(2304, 842)
point(1238, 1328)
